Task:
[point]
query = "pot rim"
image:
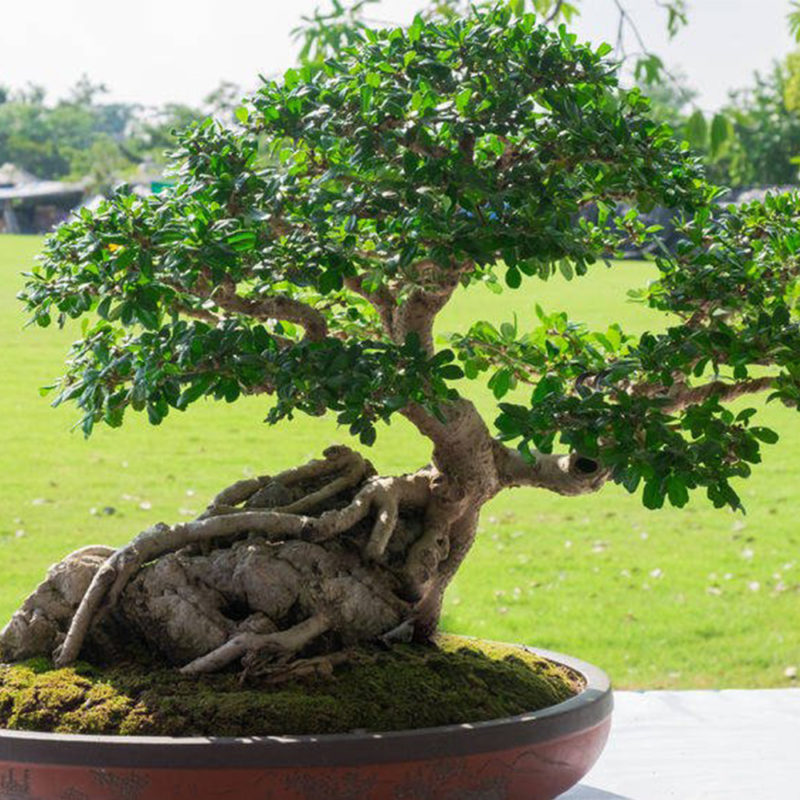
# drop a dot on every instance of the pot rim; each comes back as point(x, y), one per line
point(588, 709)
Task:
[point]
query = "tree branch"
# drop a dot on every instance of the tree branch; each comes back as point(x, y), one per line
point(568, 474)
point(225, 297)
point(381, 299)
point(417, 312)
point(278, 307)
point(462, 450)
point(574, 474)
point(685, 396)
point(196, 313)
point(553, 15)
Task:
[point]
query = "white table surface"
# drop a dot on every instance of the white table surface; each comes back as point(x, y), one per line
point(699, 745)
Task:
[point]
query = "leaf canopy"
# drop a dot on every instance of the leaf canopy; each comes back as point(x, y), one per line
point(421, 158)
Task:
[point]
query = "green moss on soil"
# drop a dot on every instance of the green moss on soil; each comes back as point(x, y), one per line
point(409, 686)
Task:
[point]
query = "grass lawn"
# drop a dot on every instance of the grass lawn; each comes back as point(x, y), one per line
point(690, 598)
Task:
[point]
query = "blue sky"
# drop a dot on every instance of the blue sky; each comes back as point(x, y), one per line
point(153, 51)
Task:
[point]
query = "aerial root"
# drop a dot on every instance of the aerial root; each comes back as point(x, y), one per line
point(261, 649)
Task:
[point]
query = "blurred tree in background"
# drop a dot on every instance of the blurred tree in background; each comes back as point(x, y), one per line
point(85, 137)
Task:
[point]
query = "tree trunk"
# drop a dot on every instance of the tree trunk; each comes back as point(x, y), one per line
point(276, 569)
point(286, 568)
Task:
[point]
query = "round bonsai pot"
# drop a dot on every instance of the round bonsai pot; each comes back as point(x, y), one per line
point(533, 756)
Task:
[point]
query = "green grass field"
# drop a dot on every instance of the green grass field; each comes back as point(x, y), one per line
point(688, 598)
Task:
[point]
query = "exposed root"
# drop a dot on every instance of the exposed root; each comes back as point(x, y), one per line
point(260, 649)
point(317, 667)
point(403, 633)
point(427, 553)
point(93, 550)
point(276, 510)
point(388, 512)
point(337, 459)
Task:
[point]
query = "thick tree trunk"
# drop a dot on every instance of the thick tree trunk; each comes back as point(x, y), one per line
point(279, 570)
point(428, 610)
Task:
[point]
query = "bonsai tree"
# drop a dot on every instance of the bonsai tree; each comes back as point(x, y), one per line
point(305, 255)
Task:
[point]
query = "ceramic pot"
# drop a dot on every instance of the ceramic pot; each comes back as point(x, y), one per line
point(534, 756)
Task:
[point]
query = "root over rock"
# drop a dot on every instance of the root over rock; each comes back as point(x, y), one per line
point(277, 574)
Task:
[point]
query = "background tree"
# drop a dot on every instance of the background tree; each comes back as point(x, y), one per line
point(766, 132)
point(82, 136)
point(27, 137)
point(306, 255)
point(754, 140)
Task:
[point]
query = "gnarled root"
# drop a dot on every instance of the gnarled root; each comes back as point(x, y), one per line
point(321, 556)
point(263, 648)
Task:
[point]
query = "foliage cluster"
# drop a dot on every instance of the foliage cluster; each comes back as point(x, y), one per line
point(753, 140)
point(444, 154)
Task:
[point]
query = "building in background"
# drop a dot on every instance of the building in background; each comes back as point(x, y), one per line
point(29, 205)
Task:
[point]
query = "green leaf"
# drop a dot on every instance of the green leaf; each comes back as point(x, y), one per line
point(471, 369)
point(462, 100)
point(648, 68)
point(697, 130)
point(500, 383)
point(103, 306)
point(191, 393)
point(451, 372)
point(513, 278)
point(653, 495)
point(766, 435)
point(368, 435)
point(330, 281)
point(677, 491)
point(242, 241)
point(721, 132)
point(547, 385)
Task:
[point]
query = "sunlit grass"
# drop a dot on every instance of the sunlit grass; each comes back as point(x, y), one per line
point(676, 598)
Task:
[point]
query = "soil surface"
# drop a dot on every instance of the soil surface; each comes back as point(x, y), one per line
point(408, 686)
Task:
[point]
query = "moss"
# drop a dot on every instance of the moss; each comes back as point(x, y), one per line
point(409, 686)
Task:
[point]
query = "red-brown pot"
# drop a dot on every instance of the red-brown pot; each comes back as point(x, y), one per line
point(533, 756)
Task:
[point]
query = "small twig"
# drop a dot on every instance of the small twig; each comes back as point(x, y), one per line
point(554, 13)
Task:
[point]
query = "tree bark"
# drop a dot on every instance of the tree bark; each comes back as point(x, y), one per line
point(300, 564)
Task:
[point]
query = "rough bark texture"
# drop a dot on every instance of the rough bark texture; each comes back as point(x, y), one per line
point(285, 570)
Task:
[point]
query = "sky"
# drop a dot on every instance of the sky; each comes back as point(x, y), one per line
point(157, 51)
